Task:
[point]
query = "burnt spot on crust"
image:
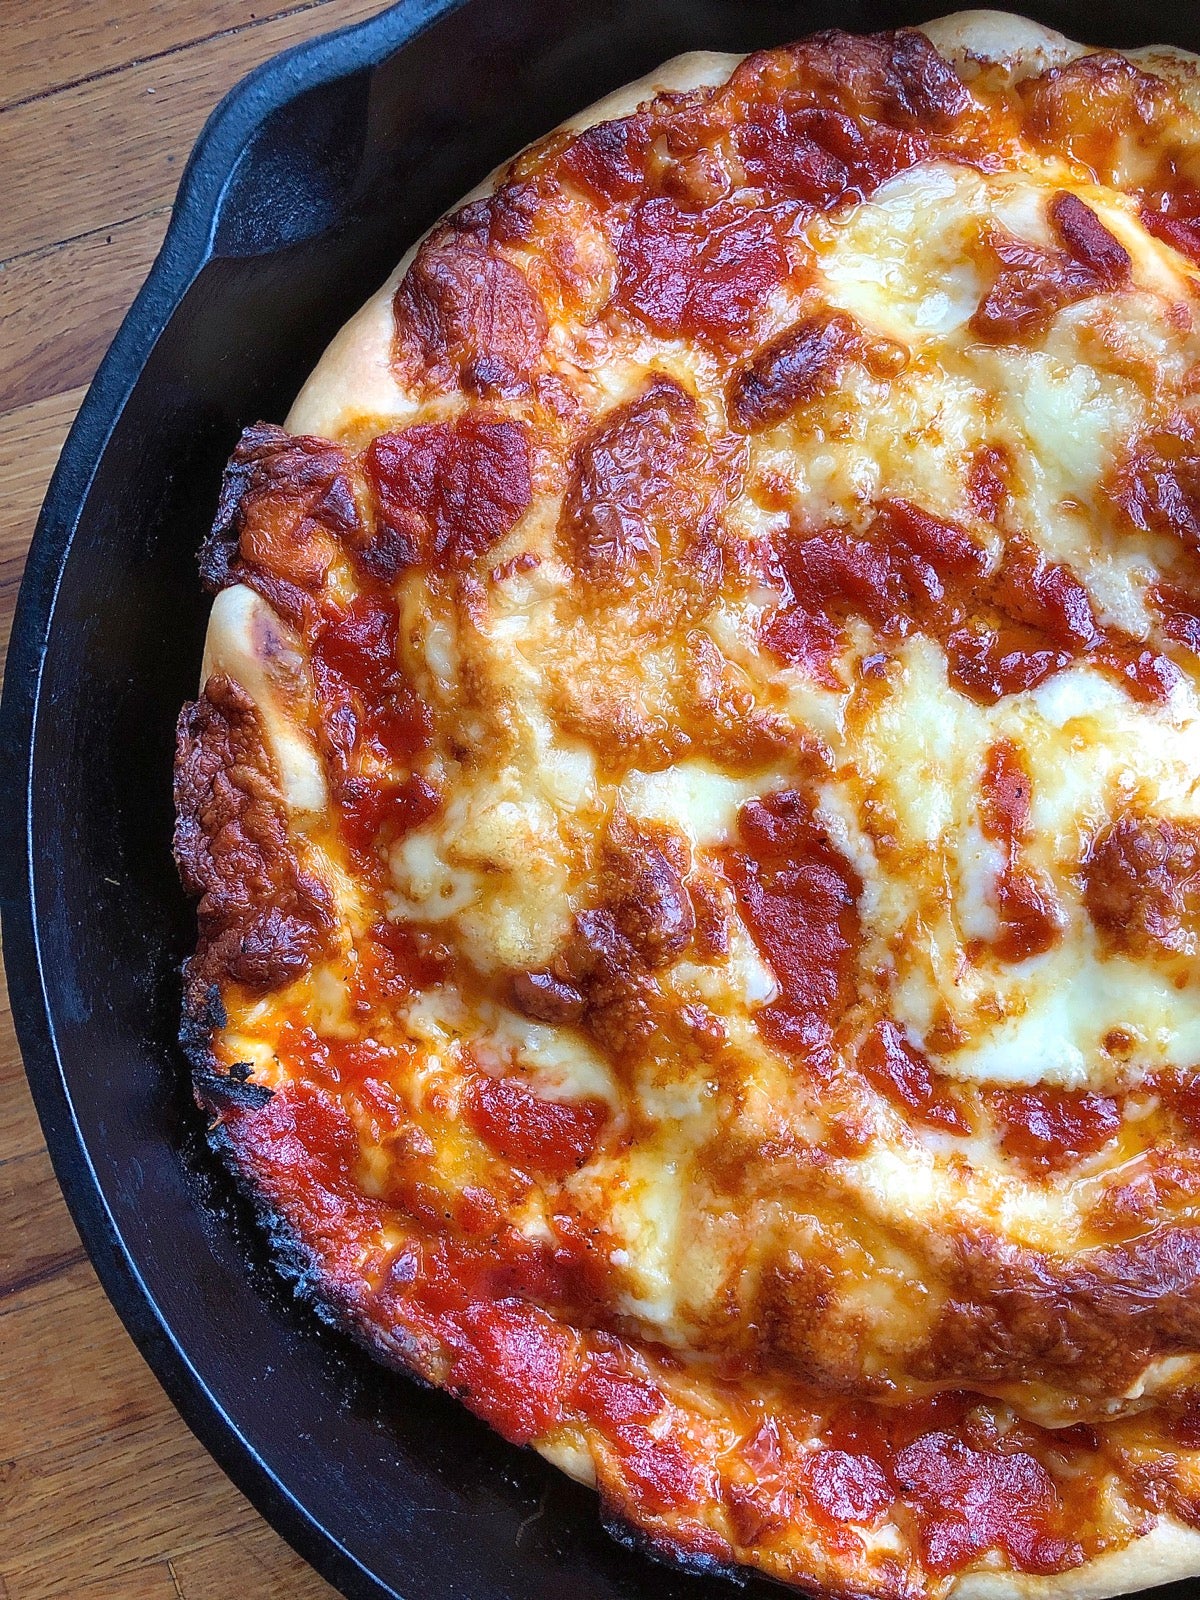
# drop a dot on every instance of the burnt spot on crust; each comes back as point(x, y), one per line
point(221, 1092)
point(466, 317)
point(261, 917)
point(286, 501)
point(1142, 885)
point(203, 1013)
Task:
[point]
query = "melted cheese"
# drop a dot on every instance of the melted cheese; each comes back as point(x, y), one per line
point(622, 937)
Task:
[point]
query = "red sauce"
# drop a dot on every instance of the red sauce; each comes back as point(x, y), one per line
point(901, 1072)
point(1157, 486)
point(396, 958)
point(1050, 1128)
point(303, 1143)
point(988, 482)
point(967, 1501)
point(370, 719)
point(1031, 920)
point(511, 1366)
point(799, 897)
point(1179, 612)
point(1003, 632)
point(703, 275)
point(661, 1473)
point(551, 1137)
point(1032, 285)
point(911, 570)
point(841, 1487)
point(447, 491)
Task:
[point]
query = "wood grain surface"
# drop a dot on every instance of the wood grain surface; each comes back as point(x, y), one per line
point(104, 1494)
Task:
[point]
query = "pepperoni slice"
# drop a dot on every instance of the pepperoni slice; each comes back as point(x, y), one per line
point(466, 316)
point(967, 1501)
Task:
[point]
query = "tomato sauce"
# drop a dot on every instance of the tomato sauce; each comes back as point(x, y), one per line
point(1048, 1129)
point(901, 1072)
point(550, 1137)
point(799, 897)
point(372, 725)
point(1032, 285)
point(1004, 631)
point(967, 1501)
point(1031, 920)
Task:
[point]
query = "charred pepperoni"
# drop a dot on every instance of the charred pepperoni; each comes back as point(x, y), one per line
point(287, 503)
point(1157, 486)
point(1033, 285)
point(1142, 885)
point(643, 494)
point(793, 370)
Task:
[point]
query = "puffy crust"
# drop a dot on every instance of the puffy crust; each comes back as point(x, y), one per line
point(354, 384)
point(999, 43)
point(1170, 1551)
point(244, 766)
point(261, 916)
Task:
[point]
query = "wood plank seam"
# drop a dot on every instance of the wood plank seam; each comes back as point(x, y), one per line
point(92, 233)
point(160, 55)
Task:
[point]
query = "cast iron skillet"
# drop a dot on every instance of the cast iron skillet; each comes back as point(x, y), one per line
point(307, 184)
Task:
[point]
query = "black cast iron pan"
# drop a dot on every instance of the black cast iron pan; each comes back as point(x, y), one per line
point(306, 186)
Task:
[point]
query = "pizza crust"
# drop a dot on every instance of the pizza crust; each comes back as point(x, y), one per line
point(1170, 1551)
point(353, 393)
point(353, 385)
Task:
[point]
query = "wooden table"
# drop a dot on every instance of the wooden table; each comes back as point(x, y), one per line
point(104, 1494)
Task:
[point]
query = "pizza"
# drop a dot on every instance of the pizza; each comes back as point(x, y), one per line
point(695, 809)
